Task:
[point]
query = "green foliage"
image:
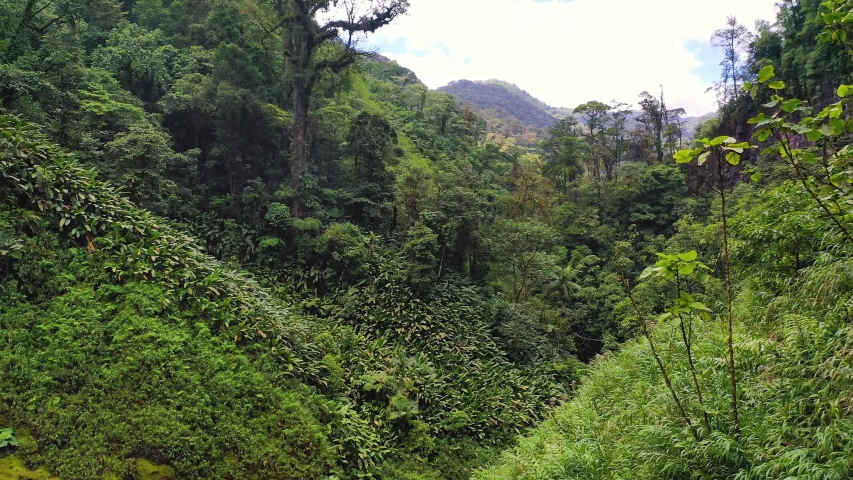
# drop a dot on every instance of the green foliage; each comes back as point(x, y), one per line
point(453, 372)
point(87, 210)
point(435, 270)
point(279, 215)
point(419, 251)
point(344, 252)
point(524, 249)
point(307, 224)
point(8, 442)
point(151, 362)
point(788, 302)
point(621, 422)
point(369, 143)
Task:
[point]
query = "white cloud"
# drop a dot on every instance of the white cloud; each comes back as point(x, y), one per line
point(567, 53)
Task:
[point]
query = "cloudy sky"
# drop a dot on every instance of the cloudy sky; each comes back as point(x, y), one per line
point(567, 52)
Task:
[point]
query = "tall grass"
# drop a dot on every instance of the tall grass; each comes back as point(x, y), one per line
point(794, 355)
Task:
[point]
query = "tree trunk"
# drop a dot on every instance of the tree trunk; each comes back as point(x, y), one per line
point(299, 158)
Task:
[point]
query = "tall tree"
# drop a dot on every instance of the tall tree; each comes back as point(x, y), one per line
point(662, 125)
point(595, 116)
point(736, 40)
point(615, 137)
point(653, 118)
point(370, 143)
point(304, 36)
point(564, 153)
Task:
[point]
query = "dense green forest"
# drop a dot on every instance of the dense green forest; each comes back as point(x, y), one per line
point(234, 246)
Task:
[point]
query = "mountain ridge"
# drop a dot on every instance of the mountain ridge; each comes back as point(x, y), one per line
point(513, 112)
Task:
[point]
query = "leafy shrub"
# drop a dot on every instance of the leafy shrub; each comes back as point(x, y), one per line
point(8, 442)
point(278, 215)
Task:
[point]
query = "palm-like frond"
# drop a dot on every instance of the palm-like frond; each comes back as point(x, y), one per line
point(562, 282)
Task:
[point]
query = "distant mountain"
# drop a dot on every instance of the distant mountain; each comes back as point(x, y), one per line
point(557, 112)
point(512, 112)
point(508, 110)
point(501, 96)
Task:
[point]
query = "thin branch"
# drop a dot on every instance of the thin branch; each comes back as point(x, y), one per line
point(627, 285)
point(793, 162)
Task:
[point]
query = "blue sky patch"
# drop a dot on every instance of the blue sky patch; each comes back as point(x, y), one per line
point(423, 52)
point(383, 45)
point(709, 59)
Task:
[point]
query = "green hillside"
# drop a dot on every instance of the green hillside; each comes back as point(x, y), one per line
point(233, 246)
point(490, 95)
point(508, 110)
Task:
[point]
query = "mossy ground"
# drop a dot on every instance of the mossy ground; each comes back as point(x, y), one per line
point(14, 468)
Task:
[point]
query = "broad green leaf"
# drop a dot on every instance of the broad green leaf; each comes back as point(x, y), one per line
point(681, 157)
point(814, 135)
point(837, 125)
point(792, 105)
point(845, 90)
point(688, 256)
point(801, 129)
point(756, 177)
point(687, 269)
point(764, 134)
point(827, 130)
point(704, 157)
point(721, 140)
point(685, 156)
point(754, 120)
point(647, 272)
point(702, 277)
point(831, 18)
point(733, 158)
point(835, 110)
point(766, 73)
point(777, 85)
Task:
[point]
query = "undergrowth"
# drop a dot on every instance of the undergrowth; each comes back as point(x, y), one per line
point(796, 392)
point(121, 340)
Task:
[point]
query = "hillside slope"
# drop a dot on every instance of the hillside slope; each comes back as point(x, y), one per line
point(217, 377)
point(557, 112)
point(508, 110)
point(122, 339)
point(792, 348)
point(496, 96)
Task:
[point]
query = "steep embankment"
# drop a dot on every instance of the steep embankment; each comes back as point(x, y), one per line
point(795, 420)
point(122, 340)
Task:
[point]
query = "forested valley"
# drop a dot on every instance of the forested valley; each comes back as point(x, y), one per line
point(233, 245)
